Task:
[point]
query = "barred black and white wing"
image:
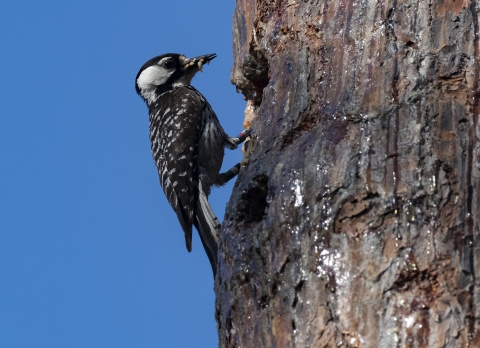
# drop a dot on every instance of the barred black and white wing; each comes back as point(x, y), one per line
point(174, 134)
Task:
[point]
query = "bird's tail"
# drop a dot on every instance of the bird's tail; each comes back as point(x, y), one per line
point(208, 227)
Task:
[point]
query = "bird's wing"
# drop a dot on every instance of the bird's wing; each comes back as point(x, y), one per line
point(177, 131)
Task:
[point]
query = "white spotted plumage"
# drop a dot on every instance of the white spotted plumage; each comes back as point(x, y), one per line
point(187, 143)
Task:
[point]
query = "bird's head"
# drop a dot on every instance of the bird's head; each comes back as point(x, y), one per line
point(163, 72)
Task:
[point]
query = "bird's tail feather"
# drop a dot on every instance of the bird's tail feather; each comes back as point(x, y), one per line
point(207, 226)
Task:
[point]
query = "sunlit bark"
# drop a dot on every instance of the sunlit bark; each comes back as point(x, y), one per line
point(355, 219)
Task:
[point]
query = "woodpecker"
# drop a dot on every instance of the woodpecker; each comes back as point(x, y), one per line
point(187, 143)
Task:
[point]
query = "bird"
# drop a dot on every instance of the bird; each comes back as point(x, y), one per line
point(187, 143)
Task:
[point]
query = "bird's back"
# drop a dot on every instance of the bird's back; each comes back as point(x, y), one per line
point(175, 129)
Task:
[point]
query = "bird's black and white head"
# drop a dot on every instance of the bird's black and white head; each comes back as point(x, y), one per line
point(164, 72)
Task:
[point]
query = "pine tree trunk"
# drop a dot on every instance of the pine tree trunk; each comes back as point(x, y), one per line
point(355, 219)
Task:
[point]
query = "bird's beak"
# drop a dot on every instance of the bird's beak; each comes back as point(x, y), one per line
point(196, 63)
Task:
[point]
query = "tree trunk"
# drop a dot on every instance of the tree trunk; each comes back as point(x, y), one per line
point(355, 218)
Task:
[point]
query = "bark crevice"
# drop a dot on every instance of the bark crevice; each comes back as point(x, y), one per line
point(354, 221)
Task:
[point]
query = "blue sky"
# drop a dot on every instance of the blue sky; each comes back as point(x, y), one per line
point(91, 254)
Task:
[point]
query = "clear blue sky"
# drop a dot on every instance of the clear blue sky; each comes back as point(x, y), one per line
point(91, 255)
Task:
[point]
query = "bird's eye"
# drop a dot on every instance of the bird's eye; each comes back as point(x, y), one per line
point(168, 64)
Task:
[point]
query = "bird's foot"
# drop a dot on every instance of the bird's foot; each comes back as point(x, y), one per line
point(229, 174)
point(242, 136)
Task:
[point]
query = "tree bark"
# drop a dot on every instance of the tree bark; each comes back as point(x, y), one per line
point(355, 218)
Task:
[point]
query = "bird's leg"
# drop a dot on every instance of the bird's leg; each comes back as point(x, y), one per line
point(229, 174)
point(242, 136)
point(233, 172)
point(232, 143)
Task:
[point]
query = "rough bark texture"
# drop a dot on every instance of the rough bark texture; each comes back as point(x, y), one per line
point(355, 218)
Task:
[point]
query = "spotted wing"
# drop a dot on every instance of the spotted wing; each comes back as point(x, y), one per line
point(175, 128)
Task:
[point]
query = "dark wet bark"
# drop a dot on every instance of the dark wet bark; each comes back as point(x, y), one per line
point(355, 219)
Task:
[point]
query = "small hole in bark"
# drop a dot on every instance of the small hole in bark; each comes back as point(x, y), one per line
point(264, 300)
point(255, 75)
point(253, 201)
point(298, 289)
point(282, 269)
point(228, 323)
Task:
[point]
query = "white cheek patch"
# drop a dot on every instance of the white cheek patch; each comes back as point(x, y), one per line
point(153, 76)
